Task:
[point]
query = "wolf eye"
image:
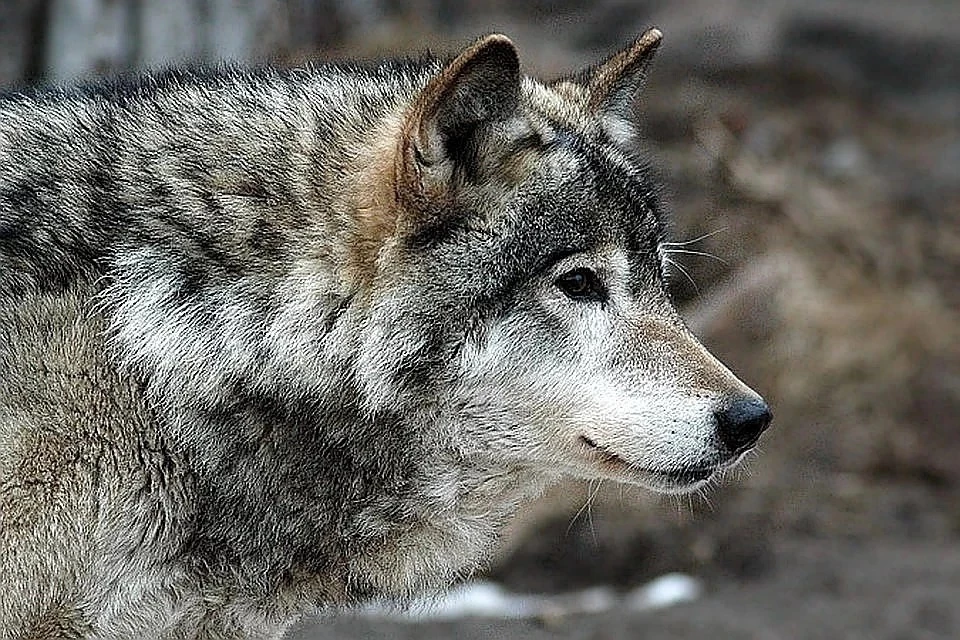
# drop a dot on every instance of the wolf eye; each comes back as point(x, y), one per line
point(581, 284)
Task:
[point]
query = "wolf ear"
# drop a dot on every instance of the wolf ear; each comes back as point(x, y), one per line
point(478, 87)
point(612, 85)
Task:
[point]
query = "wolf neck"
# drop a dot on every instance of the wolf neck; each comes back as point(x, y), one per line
point(245, 320)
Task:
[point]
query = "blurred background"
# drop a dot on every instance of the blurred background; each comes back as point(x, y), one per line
point(813, 147)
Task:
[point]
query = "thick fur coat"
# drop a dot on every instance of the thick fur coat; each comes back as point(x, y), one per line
point(274, 341)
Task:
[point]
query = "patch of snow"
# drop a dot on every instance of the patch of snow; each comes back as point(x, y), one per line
point(665, 591)
point(490, 600)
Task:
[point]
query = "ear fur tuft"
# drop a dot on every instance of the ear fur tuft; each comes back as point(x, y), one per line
point(613, 84)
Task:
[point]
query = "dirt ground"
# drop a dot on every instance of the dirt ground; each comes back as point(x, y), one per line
point(822, 589)
point(819, 142)
point(879, 562)
point(885, 590)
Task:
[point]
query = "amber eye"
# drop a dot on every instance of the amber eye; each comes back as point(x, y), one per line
point(581, 284)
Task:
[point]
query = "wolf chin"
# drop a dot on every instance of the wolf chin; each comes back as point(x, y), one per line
point(280, 340)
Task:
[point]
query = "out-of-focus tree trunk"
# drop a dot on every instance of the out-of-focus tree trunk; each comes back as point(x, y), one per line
point(22, 28)
point(99, 36)
point(87, 36)
point(61, 40)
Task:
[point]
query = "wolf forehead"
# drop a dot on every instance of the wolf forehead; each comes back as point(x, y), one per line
point(593, 183)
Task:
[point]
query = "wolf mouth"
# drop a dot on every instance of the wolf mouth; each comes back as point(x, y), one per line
point(691, 475)
point(677, 477)
point(605, 454)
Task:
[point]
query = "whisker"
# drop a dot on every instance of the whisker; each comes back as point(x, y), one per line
point(586, 505)
point(695, 240)
point(678, 504)
point(697, 253)
point(590, 499)
point(680, 268)
point(704, 494)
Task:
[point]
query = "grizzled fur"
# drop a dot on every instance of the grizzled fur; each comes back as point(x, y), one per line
point(278, 340)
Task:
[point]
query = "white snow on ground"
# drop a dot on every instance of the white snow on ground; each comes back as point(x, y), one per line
point(665, 591)
point(490, 600)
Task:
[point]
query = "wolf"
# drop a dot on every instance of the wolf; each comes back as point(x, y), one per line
point(276, 341)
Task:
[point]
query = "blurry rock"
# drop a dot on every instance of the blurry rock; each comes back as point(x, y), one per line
point(843, 158)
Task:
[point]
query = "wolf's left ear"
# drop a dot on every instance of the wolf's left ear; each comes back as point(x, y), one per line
point(479, 87)
point(612, 86)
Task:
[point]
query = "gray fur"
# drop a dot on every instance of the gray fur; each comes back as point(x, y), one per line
point(274, 341)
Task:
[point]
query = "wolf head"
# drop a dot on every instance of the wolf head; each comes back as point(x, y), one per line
point(516, 266)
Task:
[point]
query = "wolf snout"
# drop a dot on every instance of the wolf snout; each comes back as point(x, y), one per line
point(740, 423)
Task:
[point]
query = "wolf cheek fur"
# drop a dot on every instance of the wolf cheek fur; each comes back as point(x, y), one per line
point(273, 341)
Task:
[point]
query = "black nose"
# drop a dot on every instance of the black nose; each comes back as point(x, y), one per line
point(741, 423)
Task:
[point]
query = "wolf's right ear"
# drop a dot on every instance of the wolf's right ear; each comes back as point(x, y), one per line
point(477, 88)
point(609, 89)
point(614, 83)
